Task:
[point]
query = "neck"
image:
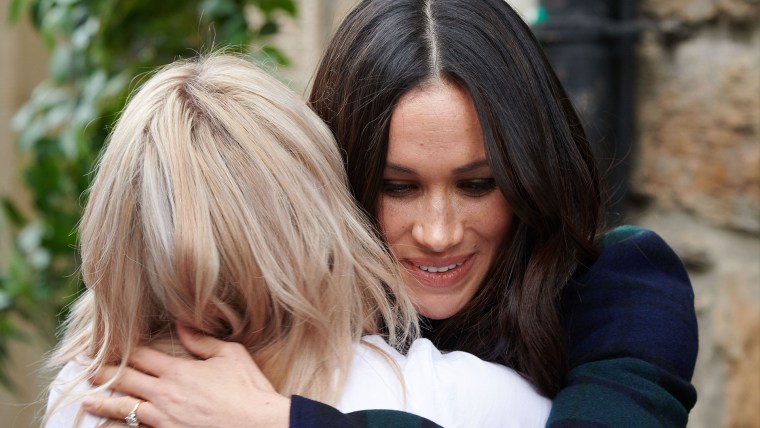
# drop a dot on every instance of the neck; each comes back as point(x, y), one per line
point(429, 326)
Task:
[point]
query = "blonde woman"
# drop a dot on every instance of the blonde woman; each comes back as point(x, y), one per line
point(220, 203)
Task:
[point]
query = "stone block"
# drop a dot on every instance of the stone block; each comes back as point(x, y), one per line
point(698, 12)
point(699, 127)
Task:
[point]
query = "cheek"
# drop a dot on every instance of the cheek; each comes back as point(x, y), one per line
point(497, 227)
point(502, 225)
point(391, 218)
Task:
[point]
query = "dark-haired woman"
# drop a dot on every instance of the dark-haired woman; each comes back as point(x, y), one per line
point(461, 144)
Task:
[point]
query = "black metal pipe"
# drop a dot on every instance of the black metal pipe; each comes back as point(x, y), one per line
point(590, 44)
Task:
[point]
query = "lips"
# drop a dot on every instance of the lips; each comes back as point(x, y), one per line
point(444, 273)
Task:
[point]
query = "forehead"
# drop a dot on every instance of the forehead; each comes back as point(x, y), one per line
point(435, 122)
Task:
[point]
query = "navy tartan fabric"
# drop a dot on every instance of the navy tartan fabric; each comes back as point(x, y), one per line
point(631, 336)
point(305, 413)
point(632, 342)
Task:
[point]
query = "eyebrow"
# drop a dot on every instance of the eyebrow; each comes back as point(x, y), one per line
point(461, 170)
point(471, 166)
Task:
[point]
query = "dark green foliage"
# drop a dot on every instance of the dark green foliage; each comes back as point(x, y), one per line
point(99, 51)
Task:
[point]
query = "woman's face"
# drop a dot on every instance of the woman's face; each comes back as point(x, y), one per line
point(440, 209)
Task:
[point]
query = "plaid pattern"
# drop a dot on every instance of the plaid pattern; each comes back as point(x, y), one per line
point(305, 413)
point(632, 338)
point(632, 344)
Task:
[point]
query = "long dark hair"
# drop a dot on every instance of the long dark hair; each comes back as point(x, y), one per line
point(534, 142)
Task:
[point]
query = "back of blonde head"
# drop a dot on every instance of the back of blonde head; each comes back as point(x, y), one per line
point(220, 201)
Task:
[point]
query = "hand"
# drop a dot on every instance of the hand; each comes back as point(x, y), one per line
point(223, 389)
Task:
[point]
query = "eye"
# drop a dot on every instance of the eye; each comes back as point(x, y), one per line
point(398, 189)
point(478, 187)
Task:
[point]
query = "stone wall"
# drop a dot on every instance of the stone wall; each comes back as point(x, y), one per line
point(697, 183)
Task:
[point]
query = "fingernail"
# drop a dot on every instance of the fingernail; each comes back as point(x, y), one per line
point(88, 402)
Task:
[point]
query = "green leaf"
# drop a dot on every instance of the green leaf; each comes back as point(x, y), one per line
point(14, 11)
point(269, 6)
point(217, 8)
point(115, 85)
point(58, 116)
point(83, 34)
point(5, 300)
point(69, 141)
point(12, 213)
point(55, 20)
point(269, 28)
point(29, 136)
point(270, 55)
point(61, 63)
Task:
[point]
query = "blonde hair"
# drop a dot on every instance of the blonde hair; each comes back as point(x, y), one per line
point(221, 201)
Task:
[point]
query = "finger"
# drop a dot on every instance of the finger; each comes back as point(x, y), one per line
point(200, 345)
point(128, 381)
point(119, 407)
point(152, 362)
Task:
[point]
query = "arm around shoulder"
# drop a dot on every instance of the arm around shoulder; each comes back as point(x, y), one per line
point(632, 337)
point(306, 413)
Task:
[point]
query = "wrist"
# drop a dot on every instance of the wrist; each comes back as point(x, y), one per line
point(277, 411)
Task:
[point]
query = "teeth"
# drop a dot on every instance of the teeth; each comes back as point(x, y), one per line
point(438, 269)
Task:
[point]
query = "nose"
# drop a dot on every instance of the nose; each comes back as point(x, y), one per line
point(439, 227)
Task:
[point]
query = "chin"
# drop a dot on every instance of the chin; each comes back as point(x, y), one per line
point(438, 307)
point(439, 313)
point(436, 317)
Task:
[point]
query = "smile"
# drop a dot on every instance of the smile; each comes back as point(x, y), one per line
point(440, 274)
point(436, 269)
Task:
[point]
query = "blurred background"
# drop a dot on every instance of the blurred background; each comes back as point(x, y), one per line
point(669, 90)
